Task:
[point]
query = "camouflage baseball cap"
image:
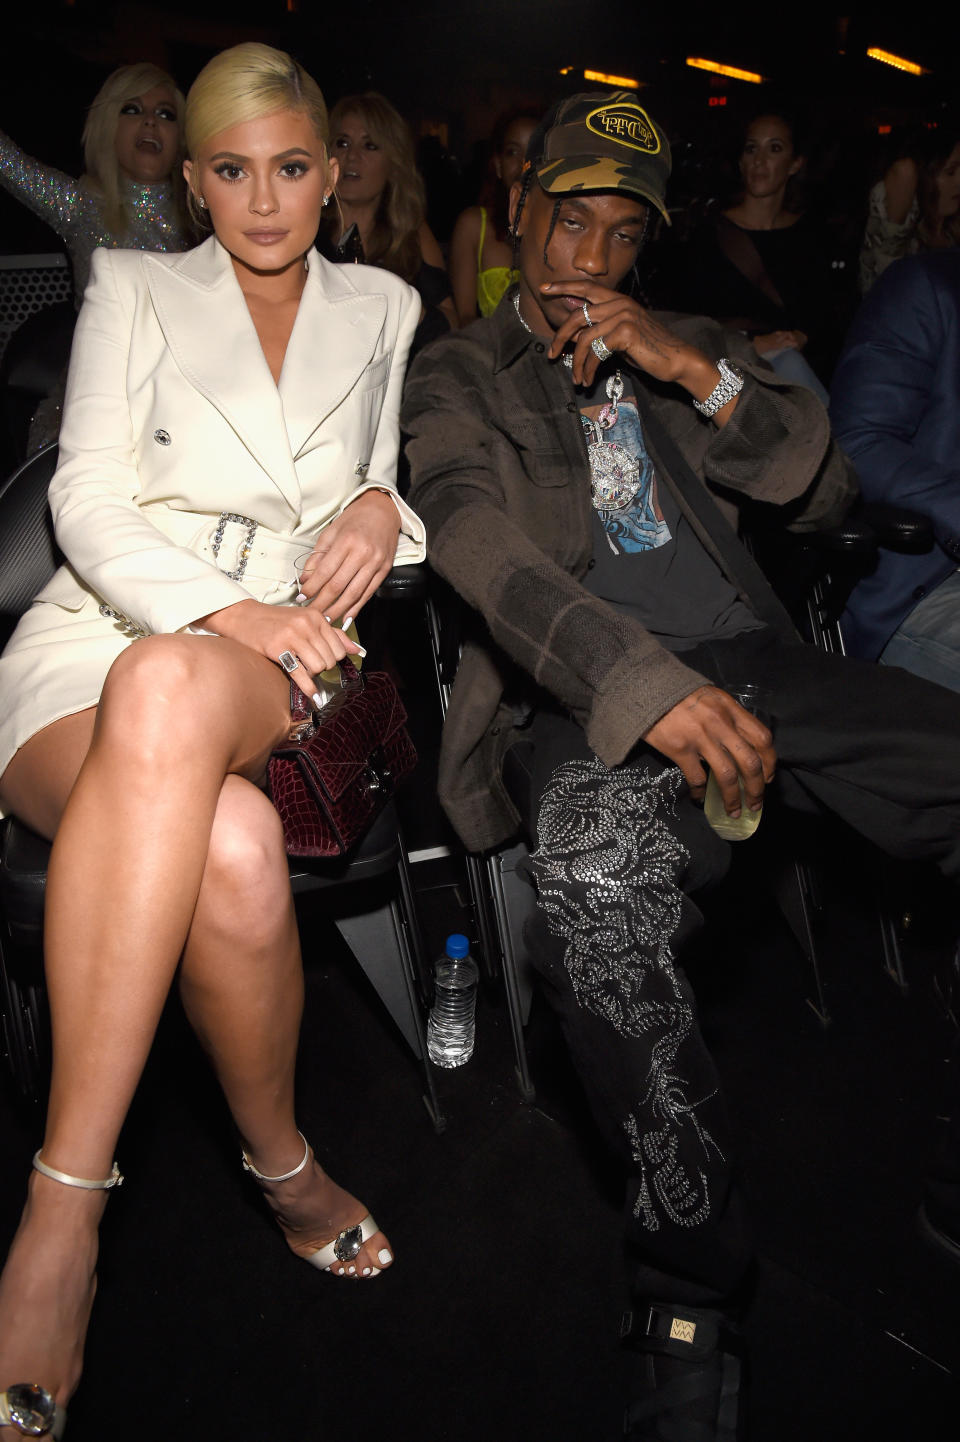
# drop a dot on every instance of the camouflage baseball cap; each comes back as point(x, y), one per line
point(603, 141)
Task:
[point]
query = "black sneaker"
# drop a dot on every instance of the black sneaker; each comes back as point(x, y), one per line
point(686, 1387)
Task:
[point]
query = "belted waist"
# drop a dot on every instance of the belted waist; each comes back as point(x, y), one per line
point(233, 543)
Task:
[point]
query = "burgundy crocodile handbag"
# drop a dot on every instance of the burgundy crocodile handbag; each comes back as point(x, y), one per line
point(341, 765)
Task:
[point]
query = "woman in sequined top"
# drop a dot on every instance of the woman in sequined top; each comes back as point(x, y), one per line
point(130, 193)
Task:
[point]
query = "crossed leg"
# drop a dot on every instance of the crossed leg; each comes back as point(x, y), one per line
point(164, 848)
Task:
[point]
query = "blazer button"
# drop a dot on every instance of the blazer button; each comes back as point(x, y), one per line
point(162, 437)
point(539, 347)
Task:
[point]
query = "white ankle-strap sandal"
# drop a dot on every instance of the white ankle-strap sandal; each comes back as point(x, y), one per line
point(344, 1247)
point(26, 1405)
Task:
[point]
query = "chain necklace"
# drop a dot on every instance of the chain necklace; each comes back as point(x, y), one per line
point(567, 359)
point(614, 471)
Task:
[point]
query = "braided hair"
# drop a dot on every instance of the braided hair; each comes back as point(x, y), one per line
point(529, 177)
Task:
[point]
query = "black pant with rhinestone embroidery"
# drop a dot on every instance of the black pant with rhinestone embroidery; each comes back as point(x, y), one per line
point(619, 855)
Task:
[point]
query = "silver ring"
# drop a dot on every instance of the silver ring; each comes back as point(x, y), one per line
point(586, 314)
point(288, 661)
point(600, 350)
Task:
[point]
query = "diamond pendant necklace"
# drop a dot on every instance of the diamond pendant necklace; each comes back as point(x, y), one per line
point(614, 471)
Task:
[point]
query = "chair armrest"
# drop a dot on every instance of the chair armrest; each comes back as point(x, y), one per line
point(404, 583)
point(897, 529)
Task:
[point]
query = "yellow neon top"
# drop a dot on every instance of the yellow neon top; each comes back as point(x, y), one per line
point(494, 282)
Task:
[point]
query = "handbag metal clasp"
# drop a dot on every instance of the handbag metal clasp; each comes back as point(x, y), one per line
point(377, 773)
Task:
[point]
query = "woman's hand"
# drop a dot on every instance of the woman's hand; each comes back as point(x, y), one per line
point(625, 326)
point(274, 630)
point(351, 557)
point(779, 340)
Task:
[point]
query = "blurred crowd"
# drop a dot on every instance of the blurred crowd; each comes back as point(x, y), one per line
point(777, 230)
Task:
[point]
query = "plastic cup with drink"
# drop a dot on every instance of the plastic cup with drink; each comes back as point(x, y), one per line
point(756, 700)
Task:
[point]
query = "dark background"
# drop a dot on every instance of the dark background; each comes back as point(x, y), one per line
point(452, 68)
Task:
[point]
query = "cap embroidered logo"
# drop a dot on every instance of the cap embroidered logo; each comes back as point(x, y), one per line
point(628, 124)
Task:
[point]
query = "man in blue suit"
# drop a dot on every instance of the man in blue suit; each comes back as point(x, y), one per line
point(895, 408)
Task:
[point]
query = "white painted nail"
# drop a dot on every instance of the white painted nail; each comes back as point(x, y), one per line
point(359, 651)
point(374, 1271)
point(351, 1270)
point(300, 598)
point(318, 700)
point(347, 622)
point(328, 620)
point(326, 1269)
point(340, 1273)
point(366, 1271)
point(384, 1256)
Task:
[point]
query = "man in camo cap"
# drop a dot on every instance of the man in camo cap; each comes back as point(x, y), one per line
point(565, 454)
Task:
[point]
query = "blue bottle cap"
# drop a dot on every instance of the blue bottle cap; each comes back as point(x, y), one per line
point(457, 946)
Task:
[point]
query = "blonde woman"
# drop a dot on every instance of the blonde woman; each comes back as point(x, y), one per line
point(227, 411)
point(381, 195)
point(131, 192)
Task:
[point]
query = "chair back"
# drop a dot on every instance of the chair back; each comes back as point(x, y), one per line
point(28, 550)
point(27, 284)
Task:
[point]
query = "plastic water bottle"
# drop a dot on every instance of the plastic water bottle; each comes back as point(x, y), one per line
point(451, 1026)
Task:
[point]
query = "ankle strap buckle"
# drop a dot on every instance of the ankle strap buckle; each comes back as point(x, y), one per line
point(115, 1178)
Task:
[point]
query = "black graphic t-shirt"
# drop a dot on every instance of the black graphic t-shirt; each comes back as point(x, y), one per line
point(647, 559)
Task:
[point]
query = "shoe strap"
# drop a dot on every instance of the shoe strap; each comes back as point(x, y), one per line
point(115, 1178)
point(261, 1177)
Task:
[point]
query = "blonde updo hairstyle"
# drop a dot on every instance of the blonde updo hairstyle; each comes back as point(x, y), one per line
point(248, 82)
point(101, 167)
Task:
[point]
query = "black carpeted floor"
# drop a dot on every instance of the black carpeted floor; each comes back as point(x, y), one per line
point(499, 1319)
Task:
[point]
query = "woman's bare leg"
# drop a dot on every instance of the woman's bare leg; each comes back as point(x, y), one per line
point(177, 715)
point(242, 987)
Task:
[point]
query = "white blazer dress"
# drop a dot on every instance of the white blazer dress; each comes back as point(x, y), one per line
point(181, 461)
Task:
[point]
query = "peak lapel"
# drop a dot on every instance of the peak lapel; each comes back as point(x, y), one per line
point(334, 338)
point(212, 338)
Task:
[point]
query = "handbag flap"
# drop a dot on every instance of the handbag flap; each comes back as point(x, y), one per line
point(361, 719)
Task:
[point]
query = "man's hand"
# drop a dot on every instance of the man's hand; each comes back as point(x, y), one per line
point(710, 726)
point(627, 327)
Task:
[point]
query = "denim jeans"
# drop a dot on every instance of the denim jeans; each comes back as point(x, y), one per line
point(927, 642)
